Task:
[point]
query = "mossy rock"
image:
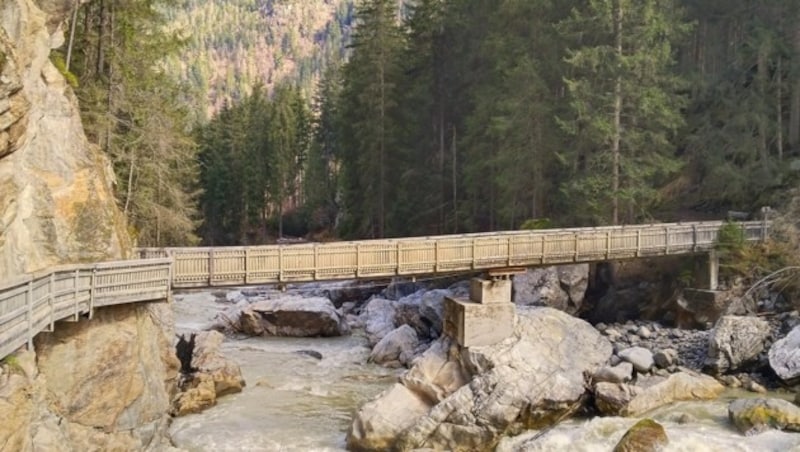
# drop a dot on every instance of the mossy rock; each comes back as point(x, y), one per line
point(752, 416)
point(646, 435)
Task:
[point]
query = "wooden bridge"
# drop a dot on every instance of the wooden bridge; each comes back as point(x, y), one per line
point(33, 303)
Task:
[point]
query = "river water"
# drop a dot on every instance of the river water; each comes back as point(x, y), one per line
point(294, 402)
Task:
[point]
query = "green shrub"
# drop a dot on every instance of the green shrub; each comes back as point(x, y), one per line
point(537, 223)
point(58, 61)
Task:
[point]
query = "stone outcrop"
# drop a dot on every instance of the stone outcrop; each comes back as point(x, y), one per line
point(213, 376)
point(652, 392)
point(100, 384)
point(293, 316)
point(751, 416)
point(562, 287)
point(532, 379)
point(56, 203)
point(784, 356)
point(735, 342)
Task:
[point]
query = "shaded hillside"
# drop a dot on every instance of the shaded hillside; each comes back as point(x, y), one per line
point(234, 44)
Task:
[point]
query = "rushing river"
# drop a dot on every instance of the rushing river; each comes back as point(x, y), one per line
point(294, 402)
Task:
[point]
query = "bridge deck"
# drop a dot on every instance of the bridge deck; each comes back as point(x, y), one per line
point(33, 303)
point(223, 266)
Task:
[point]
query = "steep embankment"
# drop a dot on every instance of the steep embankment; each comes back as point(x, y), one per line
point(99, 384)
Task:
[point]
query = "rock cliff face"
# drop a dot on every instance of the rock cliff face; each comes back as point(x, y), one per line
point(56, 203)
point(99, 384)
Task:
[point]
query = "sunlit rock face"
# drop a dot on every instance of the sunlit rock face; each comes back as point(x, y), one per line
point(56, 201)
point(99, 384)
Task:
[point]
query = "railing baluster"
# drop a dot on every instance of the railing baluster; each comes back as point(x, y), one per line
point(29, 314)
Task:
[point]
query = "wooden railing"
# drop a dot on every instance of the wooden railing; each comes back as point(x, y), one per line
point(204, 266)
point(33, 303)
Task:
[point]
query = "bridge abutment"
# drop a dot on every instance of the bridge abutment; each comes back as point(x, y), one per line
point(487, 317)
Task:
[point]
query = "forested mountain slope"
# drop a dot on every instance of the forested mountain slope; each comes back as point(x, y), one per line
point(234, 44)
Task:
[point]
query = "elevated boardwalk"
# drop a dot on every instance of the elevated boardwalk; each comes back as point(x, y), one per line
point(226, 266)
point(33, 303)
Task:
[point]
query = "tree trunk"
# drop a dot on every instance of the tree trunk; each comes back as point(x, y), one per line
point(794, 113)
point(454, 179)
point(617, 131)
point(779, 108)
point(72, 23)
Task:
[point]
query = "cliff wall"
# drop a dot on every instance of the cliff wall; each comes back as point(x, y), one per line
point(99, 384)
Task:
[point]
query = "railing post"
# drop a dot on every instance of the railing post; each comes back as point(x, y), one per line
point(764, 223)
point(638, 241)
point(508, 251)
point(316, 262)
point(666, 240)
point(436, 256)
point(92, 292)
point(399, 258)
point(29, 314)
point(247, 262)
point(77, 312)
point(358, 260)
point(544, 248)
point(575, 248)
point(280, 263)
point(694, 238)
point(608, 243)
point(210, 267)
point(51, 285)
point(474, 248)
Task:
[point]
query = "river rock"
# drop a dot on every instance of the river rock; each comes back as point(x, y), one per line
point(735, 342)
point(646, 435)
point(562, 287)
point(757, 415)
point(653, 392)
point(214, 376)
point(620, 373)
point(784, 356)
point(293, 316)
point(378, 319)
point(529, 380)
point(640, 357)
point(435, 375)
point(665, 358)
point(396, 349)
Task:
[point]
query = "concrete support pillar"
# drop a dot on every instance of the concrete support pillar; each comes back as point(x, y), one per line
point(706, 275)
point(486, 318)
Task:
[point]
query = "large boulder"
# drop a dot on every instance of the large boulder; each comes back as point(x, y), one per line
point(735, 342)
point(653, 392)
point(529, 380)
point(293, 316)
point(784, 356)
point(562, 287)
point(378, 319)
point(757, 415)
point(397, 348)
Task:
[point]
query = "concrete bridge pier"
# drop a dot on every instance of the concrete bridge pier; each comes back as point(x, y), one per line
point(488, 316)
point(706, 271)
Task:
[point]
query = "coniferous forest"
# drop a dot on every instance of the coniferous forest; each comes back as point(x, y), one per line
point(445, 116)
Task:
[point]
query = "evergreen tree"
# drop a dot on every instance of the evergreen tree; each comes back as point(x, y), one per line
point(626, 105)
point(368, 102)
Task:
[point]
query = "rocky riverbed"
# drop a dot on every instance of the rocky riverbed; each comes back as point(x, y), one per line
point(552, 368)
